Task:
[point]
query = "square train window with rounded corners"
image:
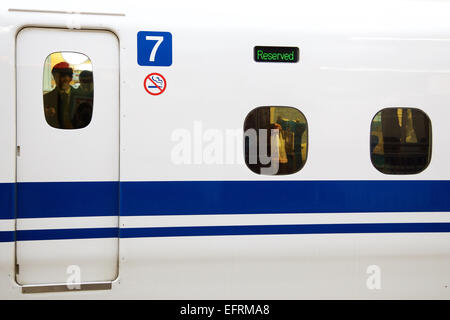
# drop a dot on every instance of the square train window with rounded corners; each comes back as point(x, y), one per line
point(275, 140)
point(400, 140)
point(68, 90)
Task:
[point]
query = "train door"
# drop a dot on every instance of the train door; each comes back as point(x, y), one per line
point(67, 158)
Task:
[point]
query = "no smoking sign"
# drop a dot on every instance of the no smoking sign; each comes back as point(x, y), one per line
point(155, 84)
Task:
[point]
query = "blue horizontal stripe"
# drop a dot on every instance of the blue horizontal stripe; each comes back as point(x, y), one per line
point(67, 199)
point(7, 236)
point(64, 234)
point(195, 231)
point(7, 199)
point(244, 197)
point(78, 199)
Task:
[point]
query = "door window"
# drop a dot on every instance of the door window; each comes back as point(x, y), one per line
point(68, 90)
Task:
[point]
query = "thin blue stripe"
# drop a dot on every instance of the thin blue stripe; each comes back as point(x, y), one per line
point(284, 229)
point(6, 236)
point(64, 234)
point(196, 231)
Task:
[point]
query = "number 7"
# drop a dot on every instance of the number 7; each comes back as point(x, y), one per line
point(158, 39)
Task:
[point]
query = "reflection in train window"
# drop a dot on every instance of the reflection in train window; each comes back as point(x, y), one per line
point(400, 141)
point(68, 90)
point(275, 140)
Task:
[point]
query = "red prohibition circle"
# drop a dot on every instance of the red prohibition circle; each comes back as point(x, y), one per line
point(149, 78)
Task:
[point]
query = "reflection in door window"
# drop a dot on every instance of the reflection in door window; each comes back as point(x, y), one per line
point(276, 140)
point(68, 90)
point(400, 141)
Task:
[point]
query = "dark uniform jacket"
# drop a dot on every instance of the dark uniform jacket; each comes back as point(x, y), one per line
point(64, 106)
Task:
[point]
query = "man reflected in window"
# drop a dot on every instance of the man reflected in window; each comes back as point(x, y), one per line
point(59, 103)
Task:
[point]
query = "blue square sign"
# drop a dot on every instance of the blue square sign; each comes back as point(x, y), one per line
point(154, 48)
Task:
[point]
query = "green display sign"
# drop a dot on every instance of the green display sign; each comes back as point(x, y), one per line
point(276, 54)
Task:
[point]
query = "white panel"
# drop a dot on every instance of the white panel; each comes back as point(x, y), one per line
point(50, 154)
point(54, 261)
point(7, 108)
point(340, 83)
point(286, 266)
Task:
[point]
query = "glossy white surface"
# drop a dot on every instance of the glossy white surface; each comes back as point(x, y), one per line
point(49, 154)
point(356, 57)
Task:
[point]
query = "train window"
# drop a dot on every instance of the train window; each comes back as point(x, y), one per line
point(68, 90)
point(275, 140)
point(400, 141)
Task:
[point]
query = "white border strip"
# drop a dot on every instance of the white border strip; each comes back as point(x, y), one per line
point(280, 219)
point(7, 224)
point(68, 223)
point(222, 220)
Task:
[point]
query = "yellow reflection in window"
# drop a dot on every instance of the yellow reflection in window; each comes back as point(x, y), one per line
point(286, 127)
point(68, 90)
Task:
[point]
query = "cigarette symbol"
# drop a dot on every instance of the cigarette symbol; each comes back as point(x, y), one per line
point(159, 82)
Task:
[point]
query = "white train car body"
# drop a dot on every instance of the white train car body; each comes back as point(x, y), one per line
point(153, 198)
